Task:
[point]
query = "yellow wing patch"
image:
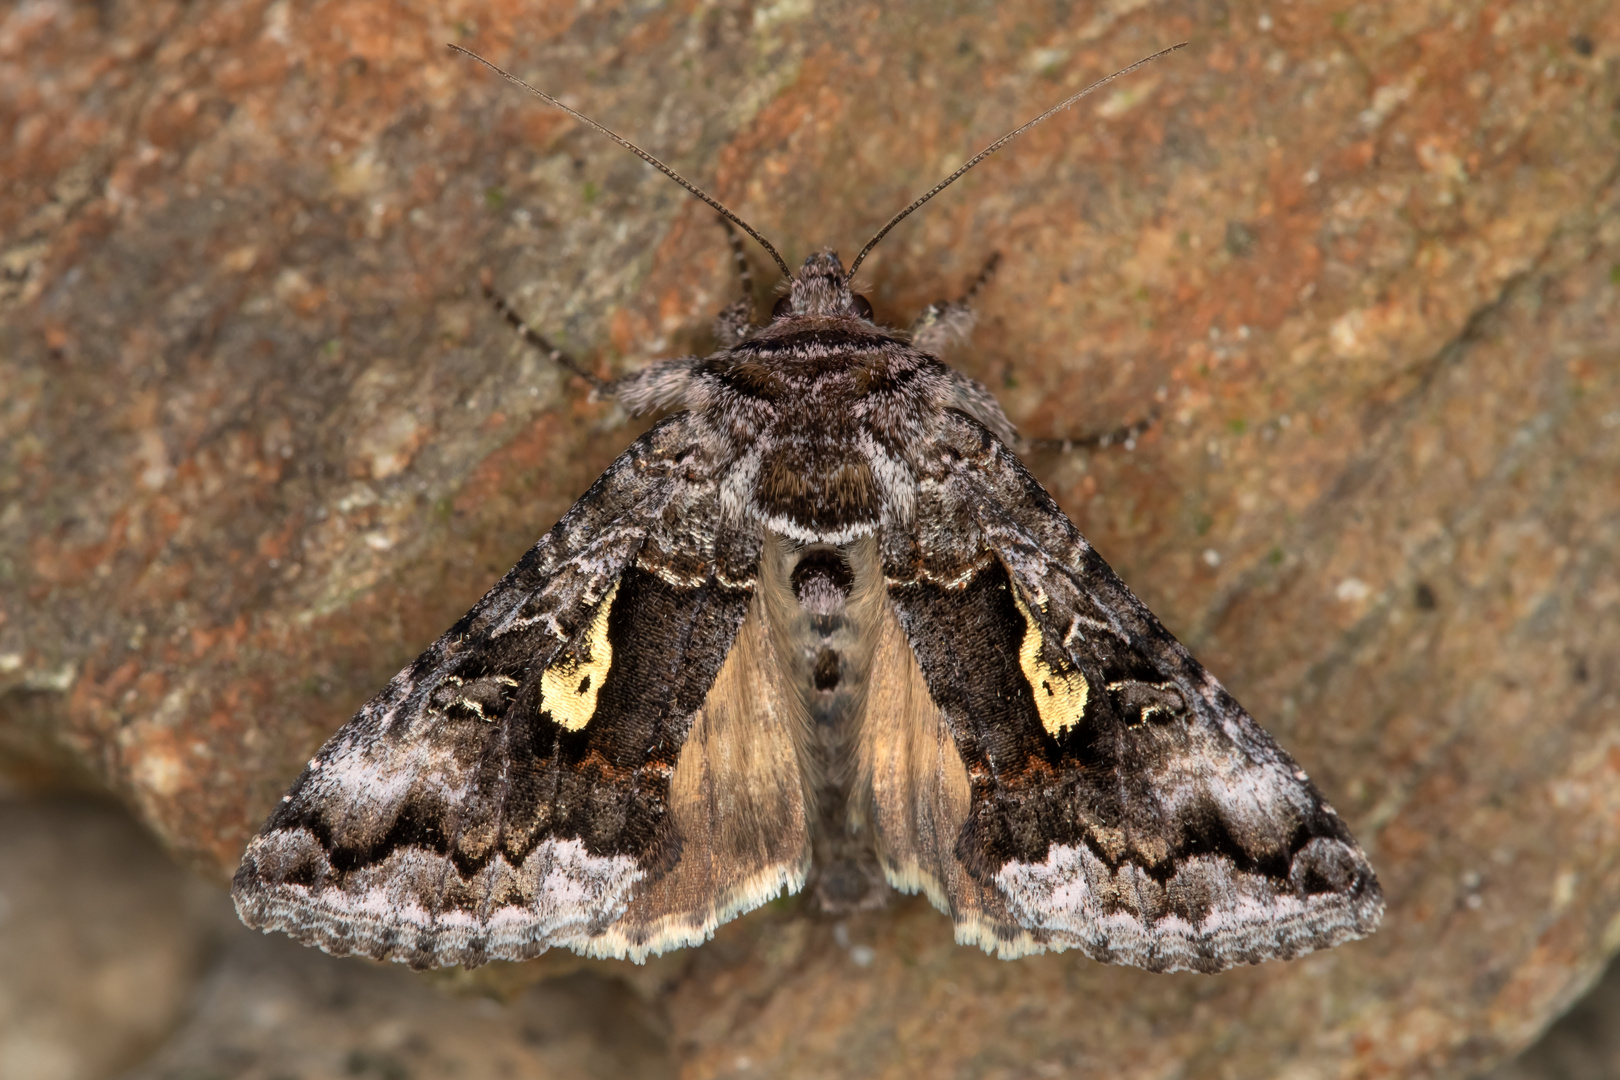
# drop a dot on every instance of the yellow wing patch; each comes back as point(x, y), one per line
point(569, 687)
point(1060, 696)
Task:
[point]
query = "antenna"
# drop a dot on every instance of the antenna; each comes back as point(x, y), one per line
point(644, 156)
point(987, 151)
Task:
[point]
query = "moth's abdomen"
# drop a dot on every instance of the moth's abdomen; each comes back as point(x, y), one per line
point(821, 412)
point(825, 639)
point(822, 600)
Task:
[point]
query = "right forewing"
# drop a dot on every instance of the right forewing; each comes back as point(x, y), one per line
point(1075, 778)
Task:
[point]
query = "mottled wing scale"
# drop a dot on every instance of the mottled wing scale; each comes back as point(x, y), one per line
point(573, 763)
point(1117, 799)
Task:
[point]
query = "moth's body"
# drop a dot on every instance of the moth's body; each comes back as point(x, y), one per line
point(819, 625)
point(820, 604)
point(821, 412)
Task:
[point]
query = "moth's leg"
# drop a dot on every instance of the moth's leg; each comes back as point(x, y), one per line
point(950, 320)
point(534, 337)
point(1125, 436)
point(666, 384)
point(974, 399)
point(661, 385)
point(985, 274)
point(941, 323)
point(737, 318)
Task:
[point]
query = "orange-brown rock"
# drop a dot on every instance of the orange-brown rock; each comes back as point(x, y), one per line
point(261, 440)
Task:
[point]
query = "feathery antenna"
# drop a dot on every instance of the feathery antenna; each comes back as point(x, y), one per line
point(643, 155)
point(987, 151)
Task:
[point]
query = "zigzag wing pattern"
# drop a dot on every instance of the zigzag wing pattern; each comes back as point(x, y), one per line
point(512, 789)
point(1119, 800)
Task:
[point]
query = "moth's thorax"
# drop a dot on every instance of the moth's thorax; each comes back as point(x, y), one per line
point(822, 412)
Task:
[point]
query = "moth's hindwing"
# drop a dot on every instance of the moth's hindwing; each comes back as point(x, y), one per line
point(920, 798)
point(1106, 793)
point(736, 802)
point(574, 763)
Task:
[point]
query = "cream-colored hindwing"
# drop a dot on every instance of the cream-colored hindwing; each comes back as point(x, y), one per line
point(917, 784)
point(737, 805)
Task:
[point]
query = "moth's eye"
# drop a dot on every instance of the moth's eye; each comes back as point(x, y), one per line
point(861, 306)
point(782, 307)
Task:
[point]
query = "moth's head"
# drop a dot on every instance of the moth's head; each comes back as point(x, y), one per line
point(821, 287)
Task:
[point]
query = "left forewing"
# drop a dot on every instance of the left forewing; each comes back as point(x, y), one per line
point(1122, 802)
point(558, 768)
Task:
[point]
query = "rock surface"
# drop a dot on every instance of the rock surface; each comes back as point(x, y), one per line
point(100, 946)
point(260, 439)
point(1583, 1045)
point(116, 963)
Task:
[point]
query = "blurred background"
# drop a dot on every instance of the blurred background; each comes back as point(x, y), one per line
point(261, 440)
point(115, 962)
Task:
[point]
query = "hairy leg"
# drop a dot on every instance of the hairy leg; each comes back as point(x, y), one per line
point(737, 318)
point(534, 337)
point(946, 321)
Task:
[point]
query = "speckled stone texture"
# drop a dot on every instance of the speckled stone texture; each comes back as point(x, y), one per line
point(261, 440)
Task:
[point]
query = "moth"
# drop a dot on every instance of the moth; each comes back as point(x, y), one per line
point(819, 628)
